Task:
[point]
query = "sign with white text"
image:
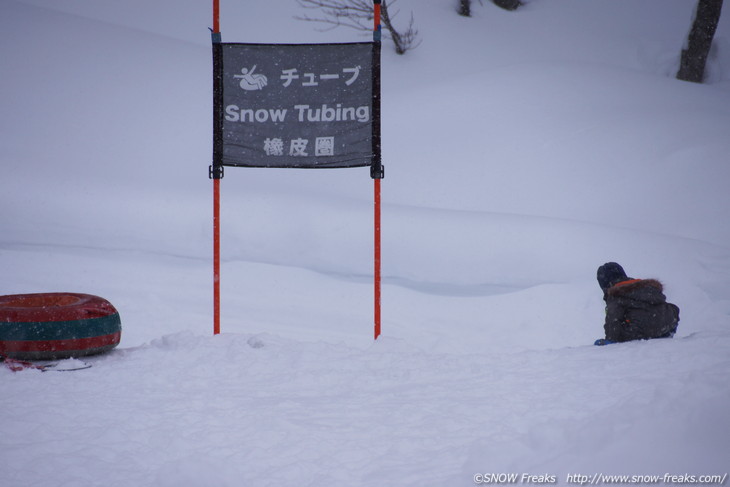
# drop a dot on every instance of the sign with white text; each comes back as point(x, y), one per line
point(300, 106)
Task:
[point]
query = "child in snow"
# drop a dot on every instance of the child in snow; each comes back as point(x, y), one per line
point(636, 309)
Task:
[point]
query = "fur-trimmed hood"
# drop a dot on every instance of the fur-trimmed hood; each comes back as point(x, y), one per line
point(650, 290)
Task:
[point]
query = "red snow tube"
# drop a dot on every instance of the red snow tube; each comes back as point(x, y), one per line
point(51, 326)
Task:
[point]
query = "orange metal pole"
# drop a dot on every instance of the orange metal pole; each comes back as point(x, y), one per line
point(376, 186)
point(216, 219)
point(216, 16)
point(376, 183)
point(216, 257)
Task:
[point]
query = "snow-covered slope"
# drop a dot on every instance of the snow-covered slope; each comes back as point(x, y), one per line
point(522, 150)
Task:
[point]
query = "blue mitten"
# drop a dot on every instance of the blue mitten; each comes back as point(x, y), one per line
point(603, 341)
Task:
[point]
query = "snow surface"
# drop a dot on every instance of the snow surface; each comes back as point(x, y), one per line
point(522, 150)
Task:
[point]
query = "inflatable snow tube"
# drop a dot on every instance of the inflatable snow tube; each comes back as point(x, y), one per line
point(50, 326)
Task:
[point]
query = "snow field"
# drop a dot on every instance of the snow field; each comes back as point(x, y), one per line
point(522, 150)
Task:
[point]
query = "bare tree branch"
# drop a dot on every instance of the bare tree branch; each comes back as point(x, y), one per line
point(358, 15)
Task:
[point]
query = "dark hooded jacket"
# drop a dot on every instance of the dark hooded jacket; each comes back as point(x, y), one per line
point(637, 309)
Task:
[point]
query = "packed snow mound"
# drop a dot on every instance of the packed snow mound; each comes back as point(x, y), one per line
point(258, 409)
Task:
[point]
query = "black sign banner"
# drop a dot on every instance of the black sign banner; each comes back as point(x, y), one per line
point(296, 105)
